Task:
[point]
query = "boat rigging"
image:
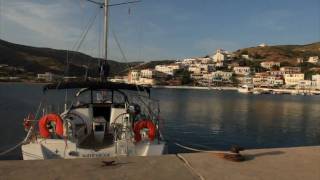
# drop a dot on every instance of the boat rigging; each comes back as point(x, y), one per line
point(104, 118)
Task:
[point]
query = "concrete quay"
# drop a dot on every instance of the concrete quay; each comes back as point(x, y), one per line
point(260, 164)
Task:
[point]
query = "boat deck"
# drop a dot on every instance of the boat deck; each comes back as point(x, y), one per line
point(90, 143)
point(264, 164)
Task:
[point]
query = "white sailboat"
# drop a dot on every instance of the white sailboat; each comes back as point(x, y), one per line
point(246, 88)
point(116, 120)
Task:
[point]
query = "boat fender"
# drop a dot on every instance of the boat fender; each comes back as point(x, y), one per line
point(27, 122)
point(43, 129)
point(141, 124)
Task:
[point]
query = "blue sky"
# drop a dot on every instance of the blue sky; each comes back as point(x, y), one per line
point(161, 29)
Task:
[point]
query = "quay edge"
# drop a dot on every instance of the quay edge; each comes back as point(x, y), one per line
point(264, 164)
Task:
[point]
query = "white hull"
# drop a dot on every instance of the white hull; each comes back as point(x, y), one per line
point(60, 149)
point(245, 91)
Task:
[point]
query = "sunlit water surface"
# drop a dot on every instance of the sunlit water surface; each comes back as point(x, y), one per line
point(202, 119)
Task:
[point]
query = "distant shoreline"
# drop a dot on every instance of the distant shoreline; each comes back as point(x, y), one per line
point(223, 88)
point(195, 87)
point(283, 91)
point(22, 82)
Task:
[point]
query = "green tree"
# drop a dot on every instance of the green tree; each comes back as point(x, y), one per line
point(305, 66)
point(308, 74)
point(184, 75)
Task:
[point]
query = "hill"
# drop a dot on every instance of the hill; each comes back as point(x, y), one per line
point(282, 53)
point(35, 60)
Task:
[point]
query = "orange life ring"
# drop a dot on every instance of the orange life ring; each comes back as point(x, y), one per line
point(44, 131)
point(144, 124)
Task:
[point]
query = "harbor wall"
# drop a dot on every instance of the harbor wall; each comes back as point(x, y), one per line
point(294, 163)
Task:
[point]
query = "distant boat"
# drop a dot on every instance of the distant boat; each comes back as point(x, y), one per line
point(257, 91)
point(245, 89)
point(294, 92)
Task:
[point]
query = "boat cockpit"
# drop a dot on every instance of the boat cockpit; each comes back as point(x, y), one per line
point(100, 115)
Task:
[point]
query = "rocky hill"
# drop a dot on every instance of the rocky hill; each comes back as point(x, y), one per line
point(282, 53)
point(39, 60)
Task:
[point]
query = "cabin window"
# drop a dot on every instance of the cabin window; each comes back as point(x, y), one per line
point(99, 128)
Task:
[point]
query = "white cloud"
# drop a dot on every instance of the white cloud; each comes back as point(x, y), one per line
point(59, 22)
point(45, 19)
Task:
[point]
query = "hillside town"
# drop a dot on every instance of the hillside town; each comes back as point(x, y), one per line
point(225, 69)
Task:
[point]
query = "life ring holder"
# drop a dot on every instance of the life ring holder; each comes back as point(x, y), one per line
point(43, 129)
point(141, 124)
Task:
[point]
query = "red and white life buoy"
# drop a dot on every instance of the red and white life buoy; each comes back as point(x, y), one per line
point(141, 124)
point(43, 129)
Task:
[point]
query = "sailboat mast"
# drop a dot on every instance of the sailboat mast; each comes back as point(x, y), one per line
point(106, 17)
point(104, 69)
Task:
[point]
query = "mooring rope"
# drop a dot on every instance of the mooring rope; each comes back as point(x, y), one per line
point(199, 150)
point(27, 136)
point(187, 163)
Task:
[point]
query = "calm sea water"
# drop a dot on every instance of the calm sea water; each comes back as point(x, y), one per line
point(200, 119)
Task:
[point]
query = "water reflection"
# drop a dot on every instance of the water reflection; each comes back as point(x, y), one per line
point(217, 120)
point(199, 118)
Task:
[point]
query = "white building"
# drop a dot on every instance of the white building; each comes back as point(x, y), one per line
point(147, 73)
point(305, 84)
point(263, 45)
point(244, 70)
point(146, 81)
point(194, 69)
point(188, 61)
point(316, 81)
point(273, 81)
point(220, 56)
point(313, 59)
point(246, 56)
point(134, 76)
point(300, 60)
point(290, 70)
point(293, 79)
point(245, 80)
point(197, 76)
point(223, 75)
point(119, 79)
point(259, 81)
point(205, 60)
point(48, 76)
point(168, 69)
point(206, 68)
point(201, 68)
point(219, 64)
point(269, 64)
point(276, 73)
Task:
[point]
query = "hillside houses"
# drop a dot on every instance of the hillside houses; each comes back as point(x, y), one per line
point(269, 64)
point(245, 70)
point(168, 69)
point(290, 70)
point(225, 68)
point(313, 59)
point(293, 79)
